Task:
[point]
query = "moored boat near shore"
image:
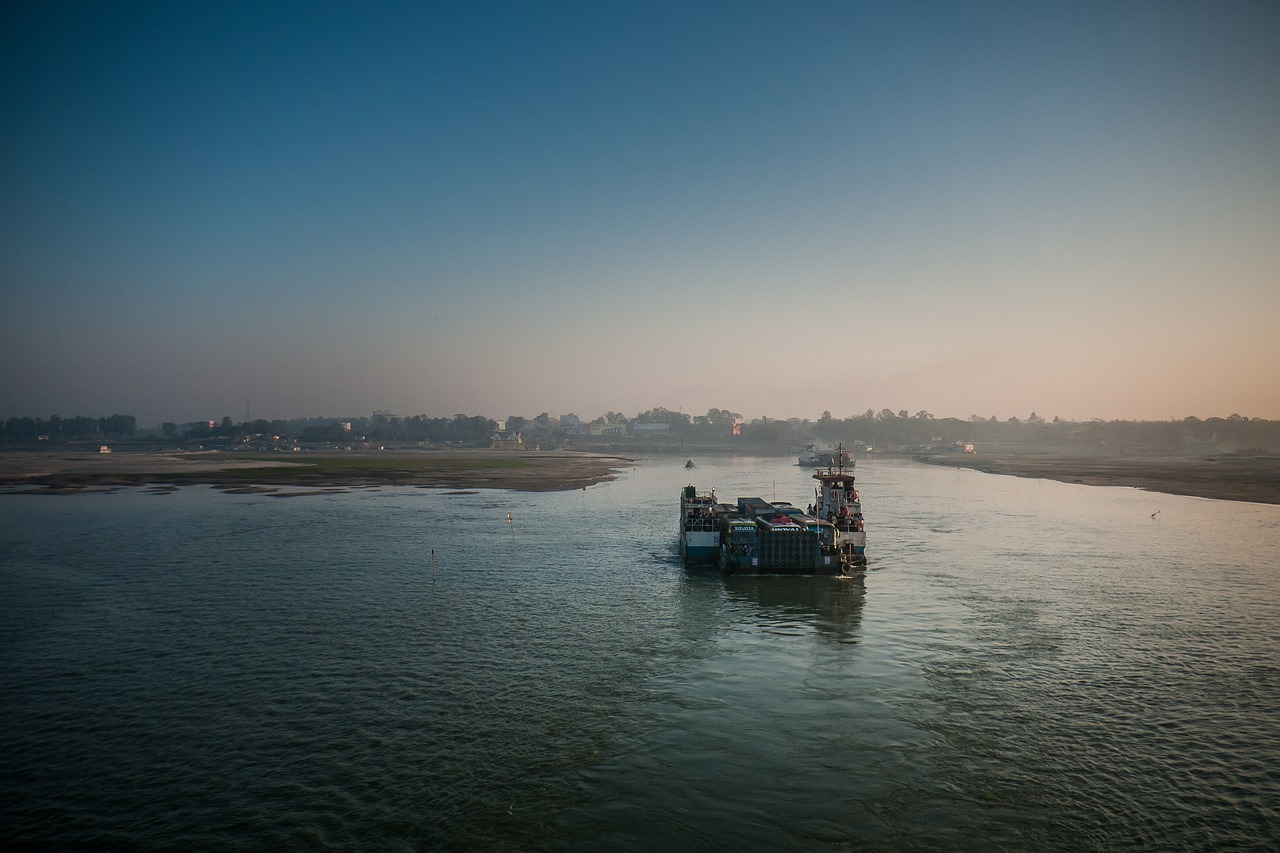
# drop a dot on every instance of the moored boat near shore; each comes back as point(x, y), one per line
point(818, 457)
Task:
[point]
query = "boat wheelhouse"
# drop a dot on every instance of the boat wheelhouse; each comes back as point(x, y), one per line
point(699, 527)
point(839, 504)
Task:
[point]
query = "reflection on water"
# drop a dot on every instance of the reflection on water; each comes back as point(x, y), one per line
point(830, 607)
point(1025, 665)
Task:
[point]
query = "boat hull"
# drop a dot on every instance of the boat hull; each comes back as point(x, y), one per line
point(823, 564)
point(700, 547)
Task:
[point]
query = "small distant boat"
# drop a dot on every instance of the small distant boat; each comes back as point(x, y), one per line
point(689, 464)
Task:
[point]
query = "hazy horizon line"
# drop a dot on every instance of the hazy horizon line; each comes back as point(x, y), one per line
point(147, 423)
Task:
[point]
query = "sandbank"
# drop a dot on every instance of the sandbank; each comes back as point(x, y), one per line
point(1225, 477)
point(72, 471)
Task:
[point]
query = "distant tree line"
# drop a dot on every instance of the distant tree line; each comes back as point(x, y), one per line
point(60, 430)
point(715, 422)
point(901, 429)
point(459, 429)
point(885, 429)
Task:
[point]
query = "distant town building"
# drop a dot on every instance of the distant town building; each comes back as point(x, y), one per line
point(1199, 445)
point(571, 424)
point(608, 429)
point(506, 441)
point(651, 429)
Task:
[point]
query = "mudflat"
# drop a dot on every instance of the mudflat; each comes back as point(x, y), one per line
point(72, 471)
point(1225, 477)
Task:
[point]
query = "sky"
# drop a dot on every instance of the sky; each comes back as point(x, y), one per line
point(284, 210)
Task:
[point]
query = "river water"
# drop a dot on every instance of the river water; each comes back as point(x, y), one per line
point(1026, 665)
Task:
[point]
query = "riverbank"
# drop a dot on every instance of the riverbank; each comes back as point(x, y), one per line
point(70, 472)
point(1226, 477)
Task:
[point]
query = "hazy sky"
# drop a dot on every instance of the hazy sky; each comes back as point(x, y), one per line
point(507, 208)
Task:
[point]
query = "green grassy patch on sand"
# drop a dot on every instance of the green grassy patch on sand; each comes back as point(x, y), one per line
point(471, 469)
point(346, 468)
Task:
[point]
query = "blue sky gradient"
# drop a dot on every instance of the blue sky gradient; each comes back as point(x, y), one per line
point(508, 208)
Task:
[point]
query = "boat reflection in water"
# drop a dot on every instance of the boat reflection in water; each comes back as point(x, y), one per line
point(831, 607)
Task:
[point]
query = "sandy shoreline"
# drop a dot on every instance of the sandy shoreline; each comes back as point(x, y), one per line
point(69, 472)
point(1232, 478)
point(1243, 478)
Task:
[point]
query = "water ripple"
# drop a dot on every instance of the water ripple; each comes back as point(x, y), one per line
point(219, 671)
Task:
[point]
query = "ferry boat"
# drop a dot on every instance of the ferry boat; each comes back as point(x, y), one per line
point(758, 536)
point(814, 457)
